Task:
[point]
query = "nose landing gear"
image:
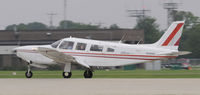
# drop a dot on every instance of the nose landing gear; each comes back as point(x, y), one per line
point(28, 73)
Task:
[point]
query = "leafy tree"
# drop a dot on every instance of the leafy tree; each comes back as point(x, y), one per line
point(150, 28)
point(11, 27)
point(114, 26)
point(21, 26)
point(29, 26)
point(190, 19)
point(75, 25)
point(41, 26)
point(36, 26)
point(192, 42)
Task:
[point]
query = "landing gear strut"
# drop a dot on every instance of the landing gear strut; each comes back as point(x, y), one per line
point(67, 71)
point(88, 73)
point(28, 73)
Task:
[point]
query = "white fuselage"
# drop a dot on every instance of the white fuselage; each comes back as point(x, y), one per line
point(118, 53)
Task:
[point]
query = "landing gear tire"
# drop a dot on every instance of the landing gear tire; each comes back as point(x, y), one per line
point(88, 74)
point(28, 74)
point(67, 74)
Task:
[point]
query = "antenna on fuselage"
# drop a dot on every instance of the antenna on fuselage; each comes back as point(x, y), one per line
point(139, 41)
point(122, 38)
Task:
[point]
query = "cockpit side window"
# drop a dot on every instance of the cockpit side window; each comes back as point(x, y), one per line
point(55, 44)
point(96, 48)
point(67, 45)
point(81, 46)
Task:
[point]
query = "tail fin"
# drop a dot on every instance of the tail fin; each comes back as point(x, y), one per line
point(172, 36)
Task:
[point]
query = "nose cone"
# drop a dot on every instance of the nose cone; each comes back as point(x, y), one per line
point(17, 49)
point(14, 51)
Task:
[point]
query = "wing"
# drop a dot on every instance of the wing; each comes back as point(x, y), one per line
point(60, 57)
point(55, 55)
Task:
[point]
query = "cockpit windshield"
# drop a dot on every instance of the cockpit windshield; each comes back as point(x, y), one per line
point(55, 44)
point(66, 45)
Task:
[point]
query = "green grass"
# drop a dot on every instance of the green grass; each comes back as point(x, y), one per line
point(109, 74)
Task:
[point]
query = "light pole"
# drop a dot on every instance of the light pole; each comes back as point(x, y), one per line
point(51, 15)
point(65, 14)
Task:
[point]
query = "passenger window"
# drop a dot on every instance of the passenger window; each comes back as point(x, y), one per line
point(96, 48)
point(66, 45)
point(81, 46)
point(110, 50)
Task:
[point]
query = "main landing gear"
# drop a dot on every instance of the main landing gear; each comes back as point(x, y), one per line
point(67, 71)
point(67, 74)
point(88, 73)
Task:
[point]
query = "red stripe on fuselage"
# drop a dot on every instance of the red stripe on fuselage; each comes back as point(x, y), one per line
point(102, 55)
point(120, 54)
point(171, 36)
point(116, 57)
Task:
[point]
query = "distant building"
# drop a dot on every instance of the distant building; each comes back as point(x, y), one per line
point(12, 39)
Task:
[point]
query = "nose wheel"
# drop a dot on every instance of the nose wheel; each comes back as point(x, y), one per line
point(28, 73)
point(88, 73)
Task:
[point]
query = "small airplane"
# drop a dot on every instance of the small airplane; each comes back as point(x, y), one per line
point(89, 53)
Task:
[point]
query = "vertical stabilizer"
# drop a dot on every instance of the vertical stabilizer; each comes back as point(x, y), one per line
point(172, 36)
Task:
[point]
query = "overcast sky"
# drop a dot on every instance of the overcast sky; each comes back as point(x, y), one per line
point(106, 12)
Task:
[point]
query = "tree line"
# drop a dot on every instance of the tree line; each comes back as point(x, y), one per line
point(62, 25)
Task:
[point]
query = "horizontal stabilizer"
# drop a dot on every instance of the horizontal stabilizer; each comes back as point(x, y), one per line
point(180, 53)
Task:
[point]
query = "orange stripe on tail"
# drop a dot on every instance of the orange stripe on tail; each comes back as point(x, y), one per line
point(171, 36)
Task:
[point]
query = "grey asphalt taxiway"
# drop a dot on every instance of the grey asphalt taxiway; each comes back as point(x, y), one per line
point(99, 86)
